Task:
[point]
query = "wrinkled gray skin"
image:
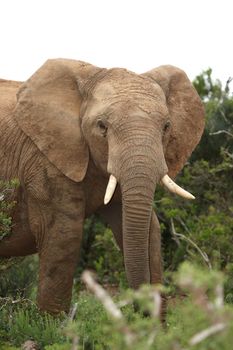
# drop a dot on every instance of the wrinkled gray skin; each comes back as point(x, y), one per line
point(73, 125)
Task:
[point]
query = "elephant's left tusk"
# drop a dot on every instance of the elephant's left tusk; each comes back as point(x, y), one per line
point(173, 187)
point(110, 189)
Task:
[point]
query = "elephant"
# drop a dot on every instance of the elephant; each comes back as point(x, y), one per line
point(82, 140)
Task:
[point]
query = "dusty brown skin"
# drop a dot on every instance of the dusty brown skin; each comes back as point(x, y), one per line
point(72, 126)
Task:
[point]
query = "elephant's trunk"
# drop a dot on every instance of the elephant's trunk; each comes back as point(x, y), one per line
point(137, 208)
point(138, 179)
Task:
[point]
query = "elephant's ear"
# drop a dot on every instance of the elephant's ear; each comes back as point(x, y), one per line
point(186, 113)
point(48, 111)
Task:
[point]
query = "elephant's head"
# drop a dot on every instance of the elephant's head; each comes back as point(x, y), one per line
point(136, 128)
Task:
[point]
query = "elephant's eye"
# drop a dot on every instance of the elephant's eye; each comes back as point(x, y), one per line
point(166, 126)
point(102, 127)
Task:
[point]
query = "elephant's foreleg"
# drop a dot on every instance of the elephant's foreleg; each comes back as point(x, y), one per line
point(59, 255)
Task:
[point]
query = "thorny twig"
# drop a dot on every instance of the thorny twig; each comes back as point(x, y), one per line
point(199, 337)
point(183, 237)
point(109, 305)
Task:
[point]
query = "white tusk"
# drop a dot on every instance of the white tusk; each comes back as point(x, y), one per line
point(110, 189)
point(173, 187)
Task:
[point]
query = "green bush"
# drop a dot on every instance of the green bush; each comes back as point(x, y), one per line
point(201, 230)
point(20, 279)
point(101, 253)
point(7, 202)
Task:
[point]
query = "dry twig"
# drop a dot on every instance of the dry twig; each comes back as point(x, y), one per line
point(30, 345)
point(157, 304)
point(102, 295)
point(221, 132)
point(199, 337)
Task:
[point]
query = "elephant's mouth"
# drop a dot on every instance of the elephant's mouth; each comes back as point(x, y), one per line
point(166, 181)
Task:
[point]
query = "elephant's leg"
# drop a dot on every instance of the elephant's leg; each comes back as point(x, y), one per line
point(156, 266)
point(156, 271)
point(112, 215)
point(58, 256)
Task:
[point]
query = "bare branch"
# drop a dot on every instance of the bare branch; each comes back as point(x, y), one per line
point(157, 304)
point(183, 224)
point(219, 300)
point(187, 239)
point(230, 155)
point(73, 312)
point(174, 233)
point(221, 132)
point(223, 115)
point(124, 302)
point(75, 342)
point(199, 337)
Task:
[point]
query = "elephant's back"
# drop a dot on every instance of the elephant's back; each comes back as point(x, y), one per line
point(11, 137)
point(8, 95)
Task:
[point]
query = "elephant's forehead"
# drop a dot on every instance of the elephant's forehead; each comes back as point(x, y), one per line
point(126, 105)
point(122, 88)
point(119, 82)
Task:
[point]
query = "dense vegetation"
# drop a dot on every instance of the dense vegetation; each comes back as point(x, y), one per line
point(198, 232)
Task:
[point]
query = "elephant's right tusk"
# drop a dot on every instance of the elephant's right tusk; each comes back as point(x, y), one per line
point(110, 189)
point(173, 187)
